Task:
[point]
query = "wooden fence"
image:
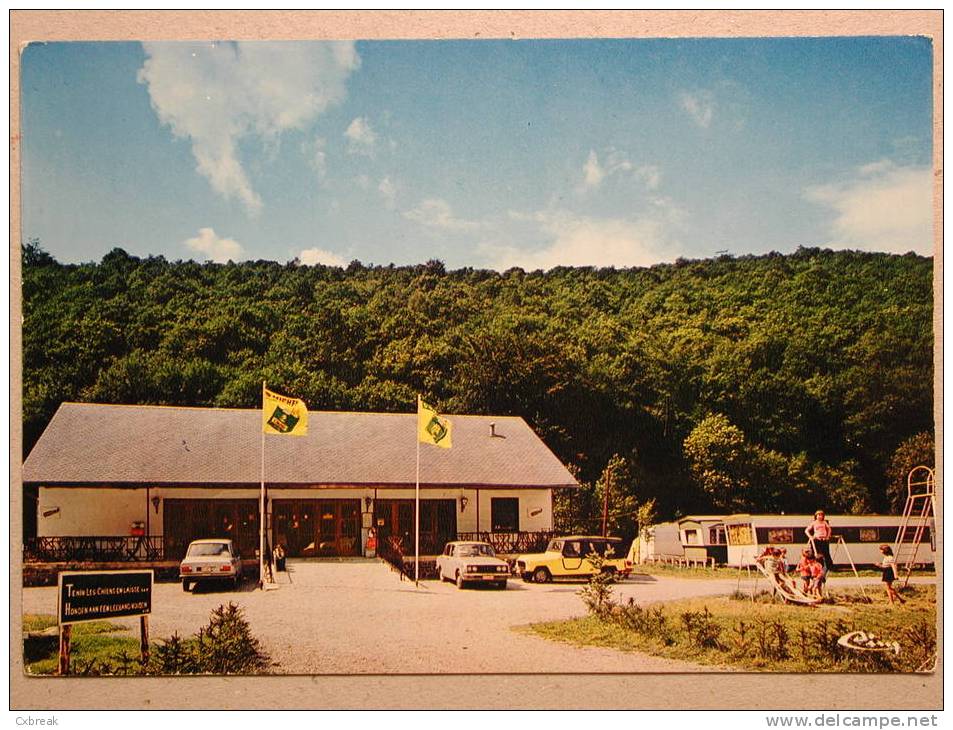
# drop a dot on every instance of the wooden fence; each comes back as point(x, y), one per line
point(93, 549)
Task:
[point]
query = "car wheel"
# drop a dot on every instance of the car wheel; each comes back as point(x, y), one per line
point(501, 585)
point(459, 580)
point(185, 584)
point(541, 575)
point(611, 573)
point(439, 574)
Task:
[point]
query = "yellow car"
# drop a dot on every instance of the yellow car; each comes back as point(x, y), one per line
point(567, 557)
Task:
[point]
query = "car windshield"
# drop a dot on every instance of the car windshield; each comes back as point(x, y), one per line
point(205, 549)
point(473, 551)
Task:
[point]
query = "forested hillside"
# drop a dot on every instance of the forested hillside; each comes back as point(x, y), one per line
point(757, 383)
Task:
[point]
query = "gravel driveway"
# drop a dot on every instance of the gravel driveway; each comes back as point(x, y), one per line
point(360, 618)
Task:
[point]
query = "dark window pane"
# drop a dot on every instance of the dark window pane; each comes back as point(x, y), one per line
point(505, 514)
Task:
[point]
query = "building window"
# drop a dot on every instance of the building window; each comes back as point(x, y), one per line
point(505, 514)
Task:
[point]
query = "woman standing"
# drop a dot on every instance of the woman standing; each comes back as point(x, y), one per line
point(889, 569)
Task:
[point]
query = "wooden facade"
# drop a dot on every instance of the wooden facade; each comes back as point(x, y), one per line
point(438, 523)
point(193, 519)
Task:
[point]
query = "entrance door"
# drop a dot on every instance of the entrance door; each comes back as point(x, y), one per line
point(318, 527)
point(339, 527)
point(438, 523)
point(294, 522)
point(185, 520)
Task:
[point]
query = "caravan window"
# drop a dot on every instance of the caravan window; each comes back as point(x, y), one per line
point(716, 536)
point(740, 534)
point(869, 534)
point(691, 537)
point(780, 534)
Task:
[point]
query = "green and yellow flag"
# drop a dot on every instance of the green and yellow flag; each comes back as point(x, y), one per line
point(282, 415)
point(431, 427)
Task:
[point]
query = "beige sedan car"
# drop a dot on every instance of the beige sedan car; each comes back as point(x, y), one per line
point(472, 562)
point(211, 560)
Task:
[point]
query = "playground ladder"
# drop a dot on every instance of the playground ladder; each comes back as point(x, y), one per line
point(921, 491)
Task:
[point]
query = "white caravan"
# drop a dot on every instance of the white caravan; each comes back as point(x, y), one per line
point(855, 537)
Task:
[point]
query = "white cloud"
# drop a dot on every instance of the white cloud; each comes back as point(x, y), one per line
point(594, 172)
point(573, 240)
point(361, 138)
point(314, 152)
point(312, 256)
point(214, 247)
point(699, 105)
point(883, 207)
point(436, 213)
point(216, 94)
point(650, 175)
point(388, 191)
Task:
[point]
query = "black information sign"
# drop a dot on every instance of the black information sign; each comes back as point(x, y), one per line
point(105, 594)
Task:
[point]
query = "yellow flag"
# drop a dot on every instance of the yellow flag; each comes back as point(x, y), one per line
point(282, 415)
point(431, 427)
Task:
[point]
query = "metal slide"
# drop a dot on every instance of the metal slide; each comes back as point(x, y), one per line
point(788, 590)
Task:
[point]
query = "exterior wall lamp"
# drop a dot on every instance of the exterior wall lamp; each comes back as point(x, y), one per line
point(155, 503)
point(463, 503)
point(367, 504)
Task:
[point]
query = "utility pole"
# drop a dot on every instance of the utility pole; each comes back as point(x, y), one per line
point(605, 502)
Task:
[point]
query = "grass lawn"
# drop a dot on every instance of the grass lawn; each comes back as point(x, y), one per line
point(100, 648)
point(761, 634)
point(94, 641)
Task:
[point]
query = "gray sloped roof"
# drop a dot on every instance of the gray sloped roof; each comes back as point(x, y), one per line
point(88, 443)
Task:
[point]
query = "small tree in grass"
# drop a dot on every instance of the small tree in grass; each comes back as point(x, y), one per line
point(226, 644)
point(597, 595)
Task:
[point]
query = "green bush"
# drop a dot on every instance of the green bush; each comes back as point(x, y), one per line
point(224, 646)
point(702, 631)
point(597, 595)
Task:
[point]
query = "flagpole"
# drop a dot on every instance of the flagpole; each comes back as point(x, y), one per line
point(261, 505)
point(417, 505)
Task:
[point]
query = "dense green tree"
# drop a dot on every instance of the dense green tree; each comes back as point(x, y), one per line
point(918, 450)
point(771, 382)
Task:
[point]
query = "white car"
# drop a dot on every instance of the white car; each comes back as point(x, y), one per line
point(472, 562)
point(211, 560)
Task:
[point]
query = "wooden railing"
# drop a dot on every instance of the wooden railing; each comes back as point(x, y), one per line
point(511, 543)
point(392, 550)
point(93, 549)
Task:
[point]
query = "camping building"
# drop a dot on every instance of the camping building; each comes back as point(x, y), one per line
point(174, 474)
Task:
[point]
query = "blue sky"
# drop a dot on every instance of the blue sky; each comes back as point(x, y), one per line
point(488, 154)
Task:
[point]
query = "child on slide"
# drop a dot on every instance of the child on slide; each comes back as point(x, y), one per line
point(804, 567)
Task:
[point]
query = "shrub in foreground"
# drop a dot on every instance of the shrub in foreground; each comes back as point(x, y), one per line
point(761, 641)
point(223, 646)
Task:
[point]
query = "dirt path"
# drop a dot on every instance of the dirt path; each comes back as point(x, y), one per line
point(359, 618)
